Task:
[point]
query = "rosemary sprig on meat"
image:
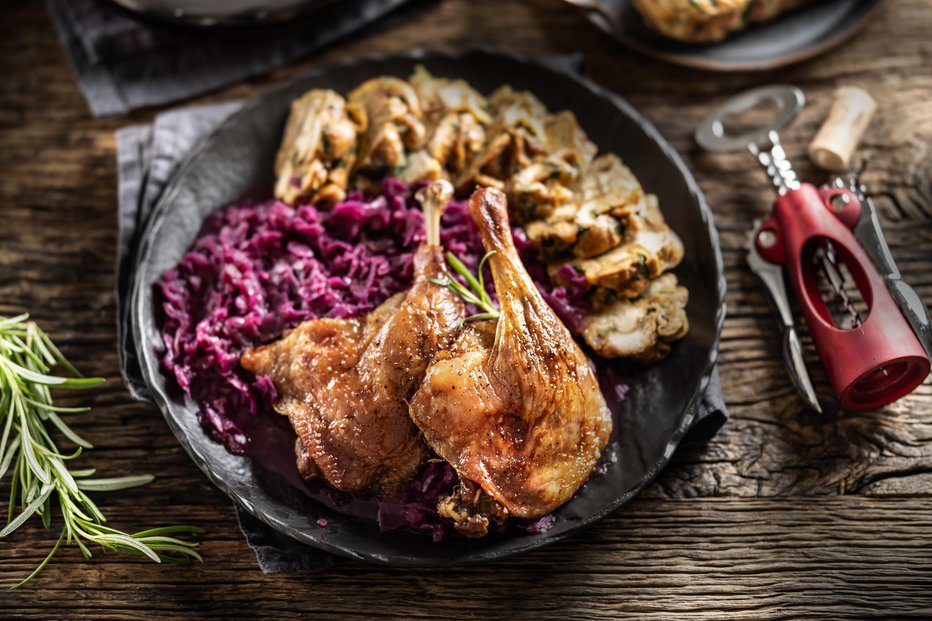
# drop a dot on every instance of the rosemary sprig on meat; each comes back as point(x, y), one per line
point(42, 475)
point(475, 293)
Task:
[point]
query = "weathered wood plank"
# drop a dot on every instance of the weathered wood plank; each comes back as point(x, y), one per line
point(782, 516)
point(721, 558)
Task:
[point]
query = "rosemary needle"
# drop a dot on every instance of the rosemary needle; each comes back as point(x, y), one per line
point(475, 293)
point(41, 475)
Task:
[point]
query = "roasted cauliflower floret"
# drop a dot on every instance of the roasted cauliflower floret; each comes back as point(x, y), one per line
point(440, 96)
point(649, 249)
point(609, 187)
point(578, 210)
point(516, 137)
point(642, 328)
point(392, 127)
point(456, 139)
point(420, 167)
point(541, 188)
point(605, 196)
point(455, 115)
point(318, 149)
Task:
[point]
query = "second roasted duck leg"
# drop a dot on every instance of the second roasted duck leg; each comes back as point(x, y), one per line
point(515, 405)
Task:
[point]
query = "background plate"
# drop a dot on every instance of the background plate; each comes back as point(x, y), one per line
point(662, 401)
point(790, 38)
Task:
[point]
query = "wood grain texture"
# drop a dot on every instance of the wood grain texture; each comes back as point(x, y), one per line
point(784, 515)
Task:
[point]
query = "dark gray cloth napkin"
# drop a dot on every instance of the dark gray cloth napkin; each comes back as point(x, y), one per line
point(147, 157)
point(122, 62)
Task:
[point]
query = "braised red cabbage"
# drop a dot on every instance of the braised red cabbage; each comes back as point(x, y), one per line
point(258, 269)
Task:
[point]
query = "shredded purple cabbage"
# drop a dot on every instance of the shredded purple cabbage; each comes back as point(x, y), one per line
point(541, 525)
point(259, 269)
point(414, 507)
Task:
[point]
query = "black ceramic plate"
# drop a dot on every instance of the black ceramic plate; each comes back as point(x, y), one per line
point(662, 400)
point(790, 38)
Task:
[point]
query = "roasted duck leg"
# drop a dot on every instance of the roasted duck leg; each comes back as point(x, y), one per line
point(515, 405)
point(345, 383)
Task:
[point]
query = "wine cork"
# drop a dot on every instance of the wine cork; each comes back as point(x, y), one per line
point(839, 136)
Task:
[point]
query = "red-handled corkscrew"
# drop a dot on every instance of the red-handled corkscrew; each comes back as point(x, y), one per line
point(870, 329)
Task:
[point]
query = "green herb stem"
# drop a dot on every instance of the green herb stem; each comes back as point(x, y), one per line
point(41, 474)
point(475, 292)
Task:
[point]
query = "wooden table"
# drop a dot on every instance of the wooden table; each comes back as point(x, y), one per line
point(783, 516)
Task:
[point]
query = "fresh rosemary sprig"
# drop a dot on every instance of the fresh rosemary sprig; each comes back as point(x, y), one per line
point(475, 294)
point(41, 474)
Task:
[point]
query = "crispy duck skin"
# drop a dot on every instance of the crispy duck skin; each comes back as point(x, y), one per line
point(514, 406)
point(345, 383)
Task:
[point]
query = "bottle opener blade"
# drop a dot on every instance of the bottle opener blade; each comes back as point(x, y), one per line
point(772, 277)
point(871, 237)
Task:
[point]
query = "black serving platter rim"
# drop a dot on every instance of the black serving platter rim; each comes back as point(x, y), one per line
point(152, 373)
